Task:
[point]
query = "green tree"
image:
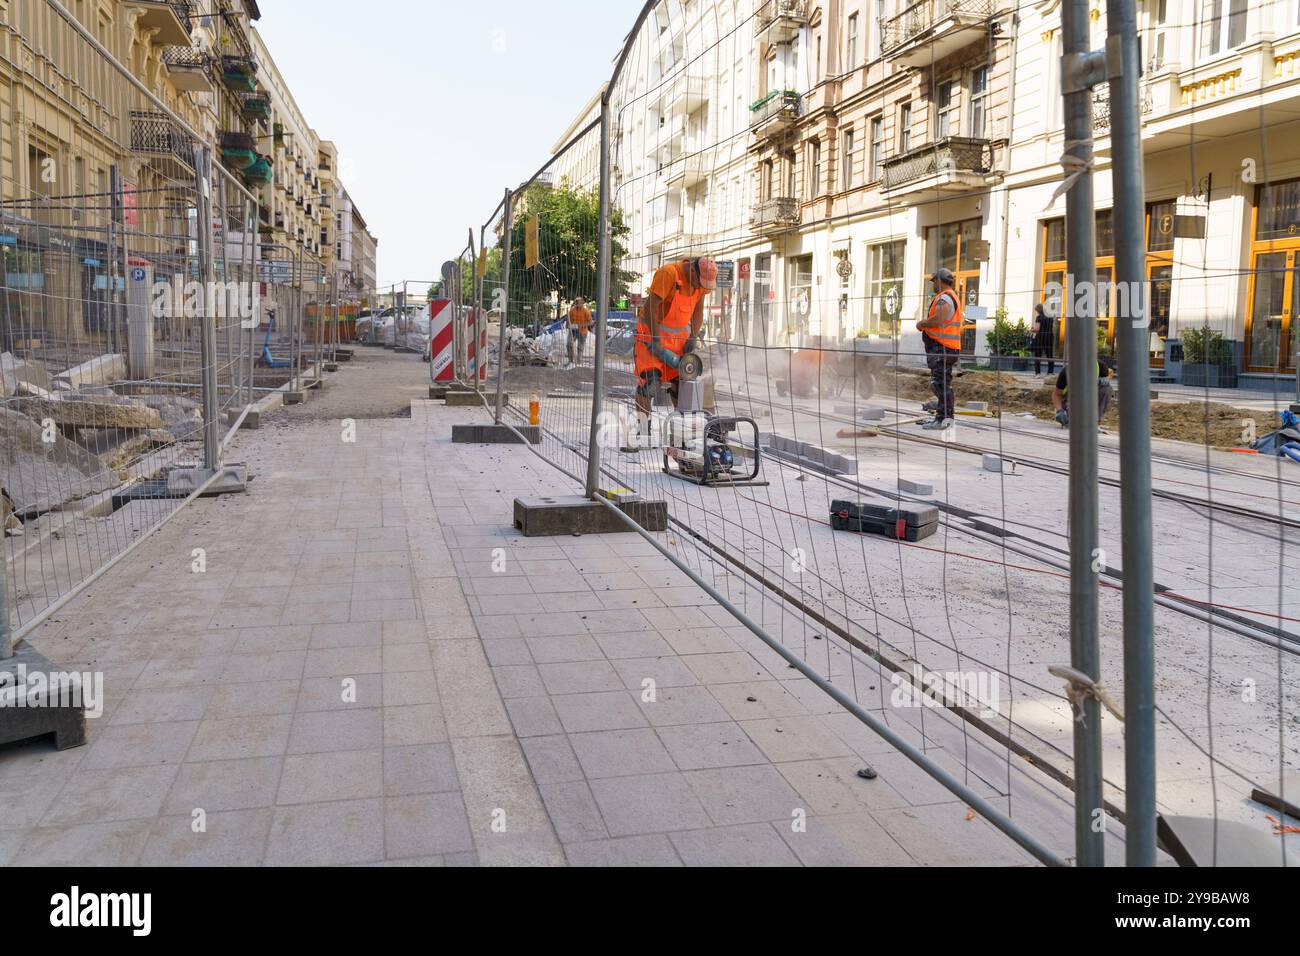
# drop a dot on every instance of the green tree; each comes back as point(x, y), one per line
point(568, 248)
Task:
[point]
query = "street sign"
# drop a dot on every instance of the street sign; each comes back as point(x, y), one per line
point(726, 274)
point(532, 236)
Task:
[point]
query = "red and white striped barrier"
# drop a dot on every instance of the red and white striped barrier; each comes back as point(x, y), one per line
point(440, 341)
point(476, 348)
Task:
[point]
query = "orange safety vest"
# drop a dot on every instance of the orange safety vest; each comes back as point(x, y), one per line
point(949, 334)
point(674, 325)
point(580, 319)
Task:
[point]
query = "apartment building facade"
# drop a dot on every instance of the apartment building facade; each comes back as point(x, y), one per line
point(290, 220)
point(355, 251)
point(835, 154)
point(98, 184)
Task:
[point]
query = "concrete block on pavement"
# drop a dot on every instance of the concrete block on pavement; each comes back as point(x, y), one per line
point(574, 514)
point(915, 487)
point(495, 434)
point(50, 708)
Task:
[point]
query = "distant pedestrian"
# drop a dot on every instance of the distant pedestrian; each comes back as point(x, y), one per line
point(579, 327)
point(1043, 345)
point(1061, 393)
point(941, 334)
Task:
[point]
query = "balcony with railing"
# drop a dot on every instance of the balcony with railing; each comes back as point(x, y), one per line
point(772, 216)
point(157, 134)
point(774, 112)
point(170, 19)
point(239, 72)
point(779, 21)
point(256, 104)
point(689, 170)
point(1101, 105)
point(683, 96)
point(954, 164)
point(238, 149)
point(189, 69)
point(930, 30)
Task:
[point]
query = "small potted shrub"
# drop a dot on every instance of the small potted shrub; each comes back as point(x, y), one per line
point(1207, 359)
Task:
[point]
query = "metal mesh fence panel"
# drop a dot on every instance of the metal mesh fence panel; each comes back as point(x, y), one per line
point(105, 297)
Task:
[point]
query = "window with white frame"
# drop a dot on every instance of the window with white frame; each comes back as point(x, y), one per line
point(979, 98)
point(877, 149)
point(1223, 26)
point(851, 43)
point(884, 303)
point(904, 128)
point(815, 168)
point(945, 110)
point(1156, 43)
point(846, 160)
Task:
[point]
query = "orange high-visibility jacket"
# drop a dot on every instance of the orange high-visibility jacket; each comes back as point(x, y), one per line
point(949, 334)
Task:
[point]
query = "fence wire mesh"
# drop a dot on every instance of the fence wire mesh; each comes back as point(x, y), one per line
point(103, 306)
point(816, 383)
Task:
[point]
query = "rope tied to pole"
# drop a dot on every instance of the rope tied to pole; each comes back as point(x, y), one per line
point(1074, 166)
point(1079, 687)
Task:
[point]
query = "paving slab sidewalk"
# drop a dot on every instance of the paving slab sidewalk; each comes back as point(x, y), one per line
point(361, 662)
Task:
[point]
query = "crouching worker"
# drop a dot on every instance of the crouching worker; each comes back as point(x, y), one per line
point(669, 323)
point(1061, 393)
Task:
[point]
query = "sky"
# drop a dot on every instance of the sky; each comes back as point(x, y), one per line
point(437, 106)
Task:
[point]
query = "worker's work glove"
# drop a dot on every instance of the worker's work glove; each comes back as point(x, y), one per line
point(1063, 417)
point(692, 344)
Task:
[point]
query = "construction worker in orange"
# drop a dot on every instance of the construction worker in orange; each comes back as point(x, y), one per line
point(941, 332)
point(668, 327)
point(579, 328)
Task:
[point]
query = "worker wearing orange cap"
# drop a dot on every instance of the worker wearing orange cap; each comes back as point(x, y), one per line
point(670, 320)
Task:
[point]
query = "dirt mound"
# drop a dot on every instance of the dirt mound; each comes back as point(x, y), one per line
point(1202, 423)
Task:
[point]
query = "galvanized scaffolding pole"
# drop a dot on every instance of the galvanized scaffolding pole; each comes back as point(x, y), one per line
point(1078, 70)
point(602, 305)
point(1134, 435)
point(208, 328)
point(505, 307)
point(6, 635)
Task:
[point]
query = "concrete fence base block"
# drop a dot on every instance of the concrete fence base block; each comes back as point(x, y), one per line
point(1191, 841)
point(253, 420)
point(472, 400)
point(915, 487)
point(439, 390)
point(185, 481)
point(993, 463)
point(295, 398)
point(574, 514)
point(50, 705)
point(976, 406)
point(872, 414)
point(495, 434)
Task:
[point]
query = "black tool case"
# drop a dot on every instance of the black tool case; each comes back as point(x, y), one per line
point(904, 521)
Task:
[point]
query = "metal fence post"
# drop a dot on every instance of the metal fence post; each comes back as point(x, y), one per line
point(602, 305)
point(208, 328)
point(475, 297)
point(6, 635)
point(1134, 439)
point(509, 226)
point(1081, 354)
